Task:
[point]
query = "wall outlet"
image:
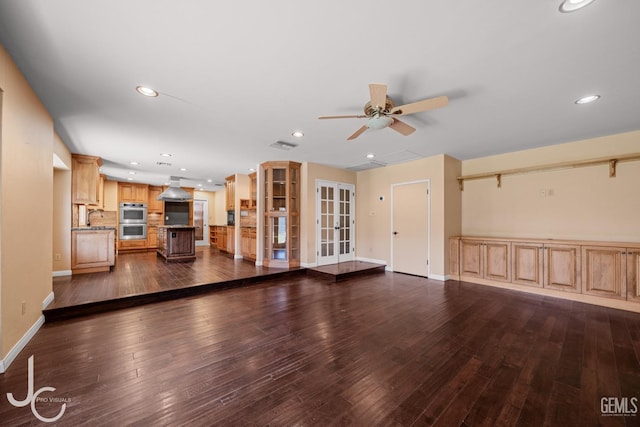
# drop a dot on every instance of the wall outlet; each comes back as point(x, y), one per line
point(24, 307)
point(57, 257)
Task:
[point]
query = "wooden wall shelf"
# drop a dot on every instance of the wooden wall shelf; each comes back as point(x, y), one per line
point(612, 161)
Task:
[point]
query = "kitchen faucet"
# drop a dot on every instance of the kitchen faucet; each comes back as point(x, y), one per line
point(90, 211)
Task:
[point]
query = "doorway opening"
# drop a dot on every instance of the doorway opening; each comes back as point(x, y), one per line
point(335, 222)
point(200, 221)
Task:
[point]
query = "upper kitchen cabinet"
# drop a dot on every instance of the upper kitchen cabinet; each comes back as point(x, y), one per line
point(253, 190)
point(281, 214)
point(230, 192)
point(133, 193)
point(154, 204)
point(85, 180)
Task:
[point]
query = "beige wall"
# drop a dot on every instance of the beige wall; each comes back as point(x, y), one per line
point(61, 209)
point(26, 208)
point(579, 203)
point(373, 216)
point(310, 173)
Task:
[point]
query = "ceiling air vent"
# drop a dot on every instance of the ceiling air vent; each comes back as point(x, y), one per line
point(283, 145)
point(163, 164)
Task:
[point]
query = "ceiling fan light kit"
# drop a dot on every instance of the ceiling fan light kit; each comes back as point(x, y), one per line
point(381, 111)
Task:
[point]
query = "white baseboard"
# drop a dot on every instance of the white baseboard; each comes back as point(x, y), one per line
point(16, 349)
point(308, 264)
point(236, 256)
point(202, 243)
point(439, 277)
point(47, 300)
point(61, 273)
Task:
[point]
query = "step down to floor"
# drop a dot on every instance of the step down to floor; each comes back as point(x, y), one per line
point(346, 270)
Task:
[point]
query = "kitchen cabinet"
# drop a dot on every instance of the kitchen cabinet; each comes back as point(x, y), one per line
point(281, 210)
point(231, 240)
point(230, 192)
point(604, 271)
point(92, 249)
point(221, 237)
point(213, 237)
point(85, 180)
point(133, 193)
point(153, 204)
point(152, 237)
point(485, 259)
point(177, 242)
point(253, 190)
point(132, 245)
point(248, 242)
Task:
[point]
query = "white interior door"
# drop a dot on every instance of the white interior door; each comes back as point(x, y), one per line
point(200, 222)
point(410, 228)
point(335, 222)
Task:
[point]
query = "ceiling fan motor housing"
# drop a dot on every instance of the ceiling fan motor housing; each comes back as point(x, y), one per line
point(370, 110)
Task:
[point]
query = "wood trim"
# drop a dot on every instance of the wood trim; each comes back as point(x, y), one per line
point(611, 161)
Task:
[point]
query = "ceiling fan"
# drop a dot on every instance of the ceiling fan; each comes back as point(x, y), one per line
point(381, 112)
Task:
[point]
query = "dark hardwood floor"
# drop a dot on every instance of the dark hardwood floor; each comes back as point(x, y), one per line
point(388, 349)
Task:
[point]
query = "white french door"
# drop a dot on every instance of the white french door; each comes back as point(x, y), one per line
point(335, 205)
point(200, 215)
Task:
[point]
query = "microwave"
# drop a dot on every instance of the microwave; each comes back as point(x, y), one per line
point(133, 213)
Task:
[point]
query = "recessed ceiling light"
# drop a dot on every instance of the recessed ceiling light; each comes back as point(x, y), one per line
point(132, 173)
point(130, 179)
point(209, 180)
point(252, 169)
point(134, 163)
point(298, 134)
point(587, 99)
point(146, 91)
point(183, 169)
point(573, 5)
point(199, 185)
point(370, 156)
point(165, 154)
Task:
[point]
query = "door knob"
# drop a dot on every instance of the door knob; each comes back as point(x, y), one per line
point(395, 233)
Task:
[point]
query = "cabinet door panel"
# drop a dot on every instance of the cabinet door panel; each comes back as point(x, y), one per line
point(471, 258)
point(604, 271)
point(562, 267)
point(527, 266)
point(497, 257)
point(454, 257)
point(633, 275)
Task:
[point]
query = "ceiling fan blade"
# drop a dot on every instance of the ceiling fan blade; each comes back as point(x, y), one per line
point(378, 94)
point(424, 105)
point(402, 127)
point(355, 116)
point(357, 133)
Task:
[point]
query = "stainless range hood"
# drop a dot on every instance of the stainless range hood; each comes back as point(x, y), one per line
point(174, 193)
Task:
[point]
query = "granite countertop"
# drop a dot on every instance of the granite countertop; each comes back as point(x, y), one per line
point(94, 227)
point(176, 226)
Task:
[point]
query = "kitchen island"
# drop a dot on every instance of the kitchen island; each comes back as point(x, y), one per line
point(177, 242)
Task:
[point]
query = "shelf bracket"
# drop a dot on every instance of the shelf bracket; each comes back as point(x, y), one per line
point(612, 168)
point(499, 180)
point(461, 183)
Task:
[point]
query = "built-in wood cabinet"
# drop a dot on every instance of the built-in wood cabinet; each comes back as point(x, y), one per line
point(248, 243)
point(230, 192)
point(633, 274)
point(562, 267)
point(85, 180)
point(231, 239)
point(133, 193)
point(606, 270)
point(152, 237)
point(92, 250)
point(253, 190)
point(281, 210)
point(153, 204)
point(221, 237)
point(486, 260)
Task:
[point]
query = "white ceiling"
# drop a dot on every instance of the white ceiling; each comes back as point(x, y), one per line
point(235, 77)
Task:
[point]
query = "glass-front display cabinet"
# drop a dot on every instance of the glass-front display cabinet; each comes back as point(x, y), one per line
point(281, 206)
